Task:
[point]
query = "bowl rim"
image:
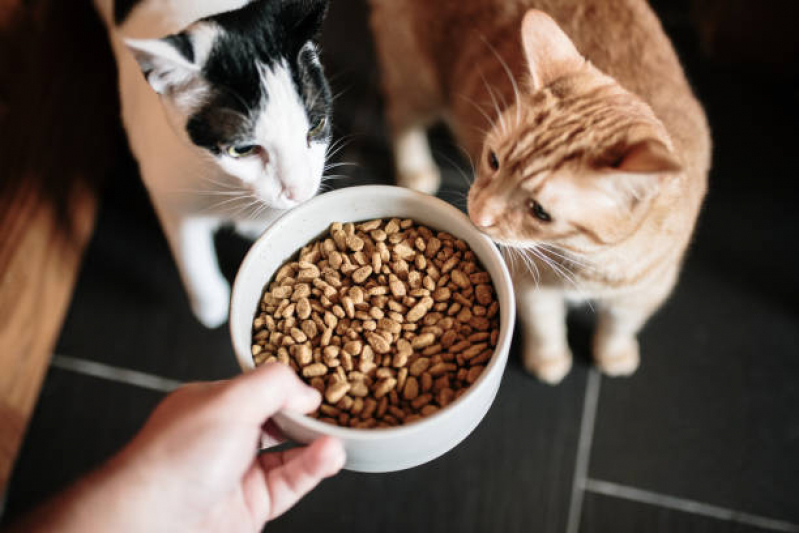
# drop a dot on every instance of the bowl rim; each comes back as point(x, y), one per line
point(507, 316)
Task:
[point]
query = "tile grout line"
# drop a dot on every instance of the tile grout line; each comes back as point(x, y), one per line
point(114, 373)
point(608, 488)
point(590, 404)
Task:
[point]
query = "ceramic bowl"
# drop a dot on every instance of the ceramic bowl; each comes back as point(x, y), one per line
point(384, 449)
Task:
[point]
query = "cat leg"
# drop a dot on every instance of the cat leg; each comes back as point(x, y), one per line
point(619, 320)
point(542, 312)
point(413, 97)
point(192, 242)
point(415, 167)
point(616, 351)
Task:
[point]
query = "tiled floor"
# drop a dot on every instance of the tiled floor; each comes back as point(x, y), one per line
point(705, 437)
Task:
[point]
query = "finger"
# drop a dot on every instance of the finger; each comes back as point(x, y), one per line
point(271, 435)
point(257, 395)
point(272, 460)
point(299, 470)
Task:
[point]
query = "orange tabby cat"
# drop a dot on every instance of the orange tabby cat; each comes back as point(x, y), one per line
point(591, 152)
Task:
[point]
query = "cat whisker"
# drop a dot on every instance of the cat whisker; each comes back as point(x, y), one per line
point(457, 167)
point(491, 123)
point(233, 200)
point(340, 93)
point(482, 131)
point(455, 197)
point(338, 145)
point(466, 155)
point(325, 187)
point(259, 210)
point(566, 256)
point(500, 117)
point(246, 207)
point(341, 164)
point(206, 192)
point(228, 205)
point(530, 264)
point(510, 77)
point(217, 183)
point(506, 255)
point(562, 271)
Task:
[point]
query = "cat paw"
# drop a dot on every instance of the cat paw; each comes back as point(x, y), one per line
point(550, 366)
point(620, 359)
point(426, 181)
point(211, 308)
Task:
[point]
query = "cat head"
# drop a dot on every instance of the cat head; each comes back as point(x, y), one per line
point(576, 161)
point(246, 87)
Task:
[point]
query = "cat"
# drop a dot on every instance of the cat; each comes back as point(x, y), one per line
point(227, 111)
point(591, 153)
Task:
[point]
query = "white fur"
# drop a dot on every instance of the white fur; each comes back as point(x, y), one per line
point(192, 190)
point(414, 163)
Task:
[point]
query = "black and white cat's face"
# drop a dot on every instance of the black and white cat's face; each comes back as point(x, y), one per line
point(247, 87)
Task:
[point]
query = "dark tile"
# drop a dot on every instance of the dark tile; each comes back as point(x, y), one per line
point(129, 308)
point(513, 474)
point(711, 415)
point(79, 422)
point(605, 514)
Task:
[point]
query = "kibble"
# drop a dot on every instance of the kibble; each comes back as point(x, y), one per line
point(390, 320)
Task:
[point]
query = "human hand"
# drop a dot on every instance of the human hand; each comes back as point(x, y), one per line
point(195, 465)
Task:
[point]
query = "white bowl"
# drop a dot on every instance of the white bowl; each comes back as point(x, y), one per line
point(387, 449)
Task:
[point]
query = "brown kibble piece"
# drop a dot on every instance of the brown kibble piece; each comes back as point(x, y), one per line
point(422, 341)
point(378, 343)
point(484, 294)
point(336, 391)
point(411, 389)
point(384, 386)
point(314, 370)
point(417, 312)
point(360, 275)
point(460, 279)
point(419, 366)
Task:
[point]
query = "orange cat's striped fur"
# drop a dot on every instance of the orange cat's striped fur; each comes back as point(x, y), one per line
point(591, 153)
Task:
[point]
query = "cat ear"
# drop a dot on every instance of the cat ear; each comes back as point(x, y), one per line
point(166, 63)
point(549, 51)
point(649, 156)
point(302, 19)
point(640, 170)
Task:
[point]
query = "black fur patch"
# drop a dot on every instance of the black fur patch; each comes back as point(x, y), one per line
point(265, 32)
point(182, 44)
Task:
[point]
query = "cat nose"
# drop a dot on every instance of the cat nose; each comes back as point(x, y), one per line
point(290, 192)
point(482, 219)
point(295, 194)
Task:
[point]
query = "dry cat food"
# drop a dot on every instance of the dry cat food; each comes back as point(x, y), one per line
point(388, 319)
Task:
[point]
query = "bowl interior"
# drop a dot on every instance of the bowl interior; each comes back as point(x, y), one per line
point(309, 221)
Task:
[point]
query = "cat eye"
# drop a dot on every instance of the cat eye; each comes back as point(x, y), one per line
point(493, 162)
point(241, 150)
point(317, 128)
point(538, 211)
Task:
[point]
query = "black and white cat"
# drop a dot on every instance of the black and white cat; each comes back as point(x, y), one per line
point(229, 123)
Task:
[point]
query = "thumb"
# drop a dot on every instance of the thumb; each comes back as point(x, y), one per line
point(260, 393)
